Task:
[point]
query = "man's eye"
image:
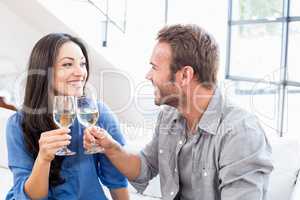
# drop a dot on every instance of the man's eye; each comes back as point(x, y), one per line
point(67, 65)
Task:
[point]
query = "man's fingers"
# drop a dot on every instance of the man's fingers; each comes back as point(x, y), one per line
point(89, 137)
point(99, 133)
point(87, 145)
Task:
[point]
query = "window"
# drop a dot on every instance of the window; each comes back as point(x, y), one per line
point(262, 61)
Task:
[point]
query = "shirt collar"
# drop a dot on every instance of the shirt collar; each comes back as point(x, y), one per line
point(211, 118)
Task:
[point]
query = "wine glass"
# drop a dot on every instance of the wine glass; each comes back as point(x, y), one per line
point(88, 114)
point(64, 113)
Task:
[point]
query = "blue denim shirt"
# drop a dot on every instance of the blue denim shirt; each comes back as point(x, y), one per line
point(81, 172)
point(230, 157)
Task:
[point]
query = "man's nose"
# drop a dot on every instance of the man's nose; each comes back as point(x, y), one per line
point(149, 75)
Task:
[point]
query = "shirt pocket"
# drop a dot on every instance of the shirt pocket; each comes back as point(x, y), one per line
point(205, 177)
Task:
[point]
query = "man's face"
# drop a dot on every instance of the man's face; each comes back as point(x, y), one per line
point(166, 90)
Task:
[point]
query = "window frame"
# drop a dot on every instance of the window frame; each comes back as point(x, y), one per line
point(283, 83)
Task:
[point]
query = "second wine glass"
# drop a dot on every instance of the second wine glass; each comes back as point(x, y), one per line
point(88, 114)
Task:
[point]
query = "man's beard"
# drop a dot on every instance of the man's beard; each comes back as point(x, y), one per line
point(168, 96)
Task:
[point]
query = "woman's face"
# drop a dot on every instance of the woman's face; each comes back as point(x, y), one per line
point(70, 71)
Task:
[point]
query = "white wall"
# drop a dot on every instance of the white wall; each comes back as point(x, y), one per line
point(144, 20)
point(16, 38)
point(23, 24)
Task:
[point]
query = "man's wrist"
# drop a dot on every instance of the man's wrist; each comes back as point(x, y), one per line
point(114, 150)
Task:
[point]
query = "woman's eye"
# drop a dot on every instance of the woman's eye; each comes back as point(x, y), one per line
point(67, 65)
point(83, 64)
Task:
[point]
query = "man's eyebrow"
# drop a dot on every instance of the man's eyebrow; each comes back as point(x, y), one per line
point(153, 64)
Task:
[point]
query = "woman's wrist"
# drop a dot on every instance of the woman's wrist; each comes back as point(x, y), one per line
point(43, 160)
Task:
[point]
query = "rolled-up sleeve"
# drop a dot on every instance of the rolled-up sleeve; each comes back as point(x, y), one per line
point(245, 162)
point(19, 160)
point(149, 161)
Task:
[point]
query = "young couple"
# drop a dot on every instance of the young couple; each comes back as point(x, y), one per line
point(203, 147)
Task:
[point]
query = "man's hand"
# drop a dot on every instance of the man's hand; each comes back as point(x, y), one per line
point(100, 137)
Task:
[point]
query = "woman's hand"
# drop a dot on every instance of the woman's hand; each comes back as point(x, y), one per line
point(51, 141)
point(100, 137)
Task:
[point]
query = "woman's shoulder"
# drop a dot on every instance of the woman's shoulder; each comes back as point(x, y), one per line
point(15, 119)
point(106, 114)
point(13, 125)
point(104, 108)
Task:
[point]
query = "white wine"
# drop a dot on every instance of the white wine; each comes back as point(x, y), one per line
point(88, 118)
point(63, 120)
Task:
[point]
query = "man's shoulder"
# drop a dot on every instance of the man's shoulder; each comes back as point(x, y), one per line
point(236, 118)
point(233, 112)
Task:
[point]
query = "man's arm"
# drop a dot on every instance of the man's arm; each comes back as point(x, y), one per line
point(133, 166)
point(245, 162)
point(113, 139)
point(139, 168)
point(129, 164)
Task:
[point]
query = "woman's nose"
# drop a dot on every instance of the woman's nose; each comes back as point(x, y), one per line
point(78, 70)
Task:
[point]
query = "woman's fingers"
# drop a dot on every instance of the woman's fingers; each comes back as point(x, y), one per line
point(56, 138)
point(60, 131)
point(51, 141)
point(50, 150)
point(58, 145)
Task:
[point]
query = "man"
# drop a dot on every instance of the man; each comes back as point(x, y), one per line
point(204, 147)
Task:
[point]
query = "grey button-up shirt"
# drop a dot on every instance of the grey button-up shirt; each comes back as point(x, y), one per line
point(230, 158)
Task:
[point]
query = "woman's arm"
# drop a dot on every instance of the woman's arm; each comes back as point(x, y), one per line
point(37, 184)
point(119, 194)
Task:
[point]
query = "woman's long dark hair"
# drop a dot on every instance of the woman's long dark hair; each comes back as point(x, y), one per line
point(37, 106)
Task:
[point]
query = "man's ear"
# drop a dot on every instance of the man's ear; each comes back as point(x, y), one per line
point(187, 75)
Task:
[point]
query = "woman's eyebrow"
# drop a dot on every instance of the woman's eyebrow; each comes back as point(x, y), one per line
point(66, 58)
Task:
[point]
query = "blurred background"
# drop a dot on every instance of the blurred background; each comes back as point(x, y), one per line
point(259, 43)
point(260, 68)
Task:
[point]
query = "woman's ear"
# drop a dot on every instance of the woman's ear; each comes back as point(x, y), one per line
point(187, 75)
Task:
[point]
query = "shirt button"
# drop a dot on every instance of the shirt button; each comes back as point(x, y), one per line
point(180, 142)
point(175, 170)
point(161, 151)
point(172, 193)
point(204, 173)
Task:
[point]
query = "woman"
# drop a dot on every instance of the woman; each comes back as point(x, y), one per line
point(58, 65)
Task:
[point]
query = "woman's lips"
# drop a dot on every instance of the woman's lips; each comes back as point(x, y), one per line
point(76, 83)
